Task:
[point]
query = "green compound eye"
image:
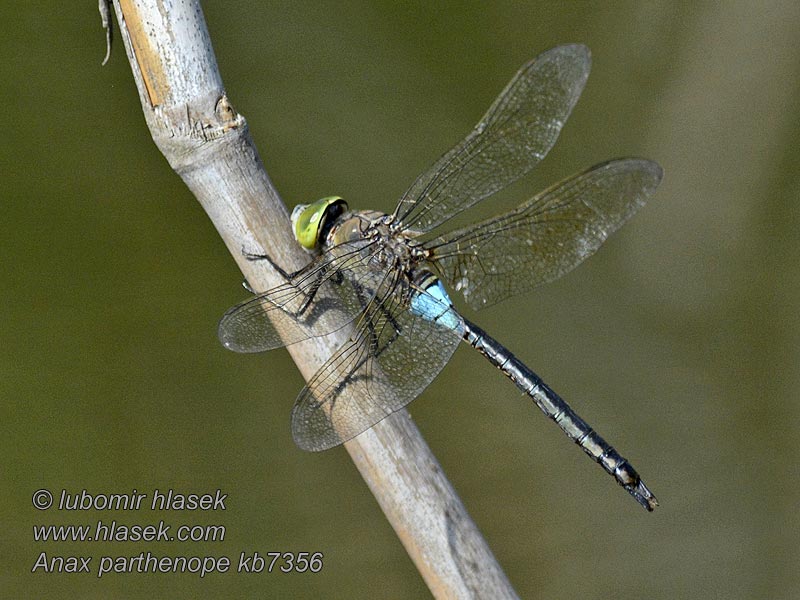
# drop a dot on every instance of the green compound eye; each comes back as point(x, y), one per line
point(308, 219)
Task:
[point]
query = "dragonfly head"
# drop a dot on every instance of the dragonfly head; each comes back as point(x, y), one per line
point(310, 222)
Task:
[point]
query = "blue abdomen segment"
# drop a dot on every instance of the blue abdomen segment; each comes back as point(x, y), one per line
point(433, 304)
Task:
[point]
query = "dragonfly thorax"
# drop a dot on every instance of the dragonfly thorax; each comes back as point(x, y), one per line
point(356, 226)
point(388, 247)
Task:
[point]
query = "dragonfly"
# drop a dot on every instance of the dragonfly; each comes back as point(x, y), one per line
point(384, 274)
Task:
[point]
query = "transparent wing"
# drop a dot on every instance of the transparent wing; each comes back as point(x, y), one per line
point(391, 358)
point(545, 237)
point(513, 136)
point(316, 301)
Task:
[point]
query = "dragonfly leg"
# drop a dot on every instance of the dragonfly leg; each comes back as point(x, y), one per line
point(356, 343)
point(381, 310)
point(371, 328)
point(336, 278)
point(254, 257)
point(309, 294)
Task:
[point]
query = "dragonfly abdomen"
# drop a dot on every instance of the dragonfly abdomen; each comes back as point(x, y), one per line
point(559, 411)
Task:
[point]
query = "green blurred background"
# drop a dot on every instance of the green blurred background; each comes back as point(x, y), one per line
point(678, 341)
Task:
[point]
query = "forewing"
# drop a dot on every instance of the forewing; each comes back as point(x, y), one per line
point(547, 236)
point(513, 136)
point(320, 299)
point(391, 358)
